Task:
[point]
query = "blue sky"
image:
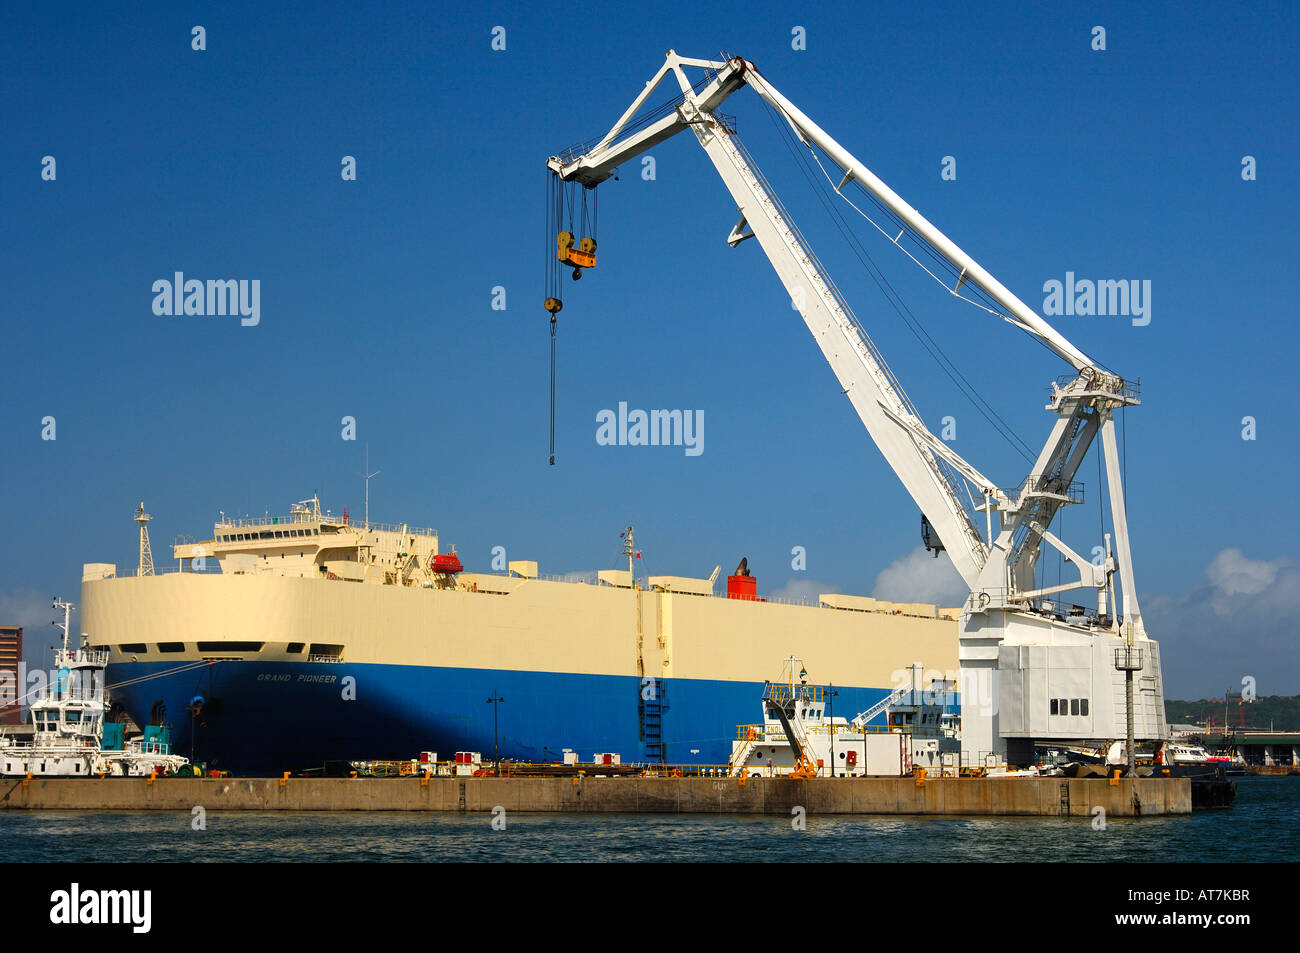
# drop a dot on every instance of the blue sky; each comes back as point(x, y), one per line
point(376, 293)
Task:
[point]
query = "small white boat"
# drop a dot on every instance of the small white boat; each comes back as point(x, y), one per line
point(69, 737)
point(1177, 753)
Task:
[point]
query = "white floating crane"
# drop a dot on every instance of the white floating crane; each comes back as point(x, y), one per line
point(1060, 678)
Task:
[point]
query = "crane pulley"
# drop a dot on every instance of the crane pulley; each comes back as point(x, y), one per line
point(584, 256)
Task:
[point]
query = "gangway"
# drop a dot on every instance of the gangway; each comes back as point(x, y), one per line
point(893, 698)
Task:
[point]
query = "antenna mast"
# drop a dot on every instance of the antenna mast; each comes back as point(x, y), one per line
point(367, 475)
point(629, 550)
point(146, 553)
point(66, 624)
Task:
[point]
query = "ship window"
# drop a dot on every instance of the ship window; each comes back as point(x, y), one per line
point(171, 646)
point(1064, 706)
point(332, 651)
point(1055, 707)
point(230, 646)
point(1083, 706)
point(278, 534)
point(1074, 706)
point(129, 647)
point(72, 716)
point(295, 647)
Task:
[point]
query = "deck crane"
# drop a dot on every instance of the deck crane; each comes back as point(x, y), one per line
point(1028, 673)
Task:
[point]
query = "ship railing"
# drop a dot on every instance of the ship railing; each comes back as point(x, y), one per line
point(244, 522)
point(589, 578)
point(212, 568)
point(300, 519)
point(781, 694)
point(762, 734)
point(390, 527)
point(684, 770)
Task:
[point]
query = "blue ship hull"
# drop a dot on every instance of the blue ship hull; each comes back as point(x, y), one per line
point(264, 718)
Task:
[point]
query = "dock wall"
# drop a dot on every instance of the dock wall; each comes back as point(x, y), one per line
point(1033, 797)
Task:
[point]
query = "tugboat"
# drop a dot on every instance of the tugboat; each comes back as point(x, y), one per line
point(799, 738)
point(71, 738)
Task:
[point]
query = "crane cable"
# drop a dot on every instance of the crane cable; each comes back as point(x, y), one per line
point(900, 306)
point(554, 214)
point(565, 212)
point(985, 302)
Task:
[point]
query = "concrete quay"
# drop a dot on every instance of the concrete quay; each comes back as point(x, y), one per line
point(984, 797)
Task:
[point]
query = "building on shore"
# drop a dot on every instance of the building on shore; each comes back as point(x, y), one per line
point(11, 657)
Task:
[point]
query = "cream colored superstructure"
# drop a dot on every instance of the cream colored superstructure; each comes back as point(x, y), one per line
point(320, 589)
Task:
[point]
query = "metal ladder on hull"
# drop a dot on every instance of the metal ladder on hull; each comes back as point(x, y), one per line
point(652, 718)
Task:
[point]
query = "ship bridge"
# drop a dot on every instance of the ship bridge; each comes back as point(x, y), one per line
point(309, 543)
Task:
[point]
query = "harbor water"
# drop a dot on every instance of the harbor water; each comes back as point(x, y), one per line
point(1260, 827)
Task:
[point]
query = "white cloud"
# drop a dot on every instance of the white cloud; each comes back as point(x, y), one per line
point(1233, 575)
point(1243, 620)
point(921, 577)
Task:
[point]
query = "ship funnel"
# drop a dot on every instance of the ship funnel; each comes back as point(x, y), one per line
point(742, 585)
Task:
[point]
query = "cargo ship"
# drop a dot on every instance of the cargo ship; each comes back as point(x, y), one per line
point(282, 642)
